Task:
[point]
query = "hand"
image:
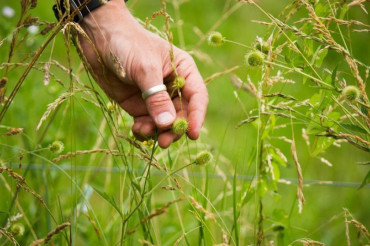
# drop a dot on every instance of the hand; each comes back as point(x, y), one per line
point(129, 59)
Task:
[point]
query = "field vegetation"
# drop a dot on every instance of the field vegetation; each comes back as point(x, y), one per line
point(283, 158)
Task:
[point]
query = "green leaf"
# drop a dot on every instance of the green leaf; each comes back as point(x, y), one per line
point(322, 144)
point(322, 9)
point(276, 158)
point(315, 99)
point(262, 187)
point(110, 200)
point(319, 56)
point(288, 60)
point(279, 215)
point(247, 196)
point(308, 47)
point(334, 75)
point(313, 130)
point(354, 128)
point(269, 127)
point(366, 180)
point(343, 11)
point(325, 100)
point(332, 116)
point(364, 109)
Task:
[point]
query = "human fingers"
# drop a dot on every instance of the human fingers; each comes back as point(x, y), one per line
point(166, 138)
point(195, 93)
point(143, 128)
point(159, 104)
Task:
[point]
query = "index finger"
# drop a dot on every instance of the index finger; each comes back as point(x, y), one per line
point(196, 94)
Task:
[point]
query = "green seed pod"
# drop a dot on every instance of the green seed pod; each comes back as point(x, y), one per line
point(17, 230)
point(262, 47)
point(179, 82)
point(216, 39)
point(203, 158)
point(254, 58)
point(180, 126)
point(57, 147)
point(110, 107)
point(351, 93)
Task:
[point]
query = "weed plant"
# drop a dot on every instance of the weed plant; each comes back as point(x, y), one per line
point(71, 172)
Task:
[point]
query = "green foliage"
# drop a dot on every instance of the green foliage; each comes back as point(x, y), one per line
point(304, 93)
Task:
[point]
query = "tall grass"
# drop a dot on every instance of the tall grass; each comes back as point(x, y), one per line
point(73, 174)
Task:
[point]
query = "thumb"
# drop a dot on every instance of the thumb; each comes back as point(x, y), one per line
point(161, 109)
point(159, 105)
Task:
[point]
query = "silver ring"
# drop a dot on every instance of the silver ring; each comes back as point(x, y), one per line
point(153, 90)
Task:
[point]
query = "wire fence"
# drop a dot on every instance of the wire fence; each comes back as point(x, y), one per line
point(79, 168)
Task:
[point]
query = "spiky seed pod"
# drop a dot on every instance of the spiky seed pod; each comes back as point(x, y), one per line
point(57, 147)
point(203, 158)
point(179, 82)
point(254, 58)
point(180, 126)
point(215, 39)
point(17, 230)
point(351, 93)
point(262, 46)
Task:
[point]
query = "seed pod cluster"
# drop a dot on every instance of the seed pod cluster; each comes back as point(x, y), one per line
point(254, 58)
point(180, 126)
point(56, 147)
point(179, 82)
point(351, 93)
point(216, 39)
point(203, 158)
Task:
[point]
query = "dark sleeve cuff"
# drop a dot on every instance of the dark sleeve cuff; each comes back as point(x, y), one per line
point(60, 10)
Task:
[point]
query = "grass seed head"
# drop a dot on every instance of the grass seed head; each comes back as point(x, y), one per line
point(254, 58)
point(262, 46)
point(180, 126)
point(351, 93)
point(203, 158)
point(57, 147)
point(215, 39)
point(17, 229)
point(179, 82)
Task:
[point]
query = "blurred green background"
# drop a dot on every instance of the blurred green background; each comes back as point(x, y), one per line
point(322, 217)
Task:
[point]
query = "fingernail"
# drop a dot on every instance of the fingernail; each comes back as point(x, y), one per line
point(165, 118)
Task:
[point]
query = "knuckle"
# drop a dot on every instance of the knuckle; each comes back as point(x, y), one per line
point(148, 68)
point(190, 60)
point(161, 99)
